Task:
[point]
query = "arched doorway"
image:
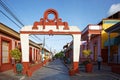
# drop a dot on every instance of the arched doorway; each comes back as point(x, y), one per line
point(53, 26)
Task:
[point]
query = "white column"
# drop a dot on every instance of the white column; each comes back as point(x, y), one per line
point(25, 47)
point(76, 47)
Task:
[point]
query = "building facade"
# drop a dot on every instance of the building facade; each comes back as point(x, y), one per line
point(10, 39)
point(95, 37)
point(91, 36)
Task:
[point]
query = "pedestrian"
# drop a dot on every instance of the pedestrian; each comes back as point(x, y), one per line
point(99, 60)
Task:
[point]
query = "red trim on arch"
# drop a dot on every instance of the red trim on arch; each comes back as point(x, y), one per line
point(55, 21)
point(49, 32)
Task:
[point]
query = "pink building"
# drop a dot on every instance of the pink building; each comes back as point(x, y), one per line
point(91, 36)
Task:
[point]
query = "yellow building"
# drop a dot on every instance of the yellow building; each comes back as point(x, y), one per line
point(108, 54)
point(106, 23)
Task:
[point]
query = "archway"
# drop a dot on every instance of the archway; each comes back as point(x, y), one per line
point(48, 26)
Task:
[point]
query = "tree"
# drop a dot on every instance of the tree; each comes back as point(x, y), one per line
point(59, 55)
point(16, 54)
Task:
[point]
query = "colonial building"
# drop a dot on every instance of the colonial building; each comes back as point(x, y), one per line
point(10, 39)
point(95, 37)
point(109, 57)
point(114, 47)
point(114, 43)
point(91, 36)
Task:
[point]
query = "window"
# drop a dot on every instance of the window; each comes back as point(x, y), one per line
point(5, 52)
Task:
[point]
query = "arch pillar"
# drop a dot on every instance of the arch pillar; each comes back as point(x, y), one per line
point(25, 51)
point(76, 52)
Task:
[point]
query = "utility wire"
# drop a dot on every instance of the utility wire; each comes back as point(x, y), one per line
point(37, 37)
point(10, 19)
point(11, 13)
point(16, 23)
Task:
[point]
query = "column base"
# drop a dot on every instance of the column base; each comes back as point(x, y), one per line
point(25, 67)
point(76, 67)
point(71, 72)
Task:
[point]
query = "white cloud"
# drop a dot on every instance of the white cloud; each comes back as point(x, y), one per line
point(114, 8)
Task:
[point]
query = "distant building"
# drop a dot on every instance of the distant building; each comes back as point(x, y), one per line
point(68, 51)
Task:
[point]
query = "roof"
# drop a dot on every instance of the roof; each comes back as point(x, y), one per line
point(6, 30)
point(9, 31)
point(114, 16)
point(115, 28)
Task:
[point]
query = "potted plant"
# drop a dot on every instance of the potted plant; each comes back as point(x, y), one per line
point(87, 62)
point(16, 54)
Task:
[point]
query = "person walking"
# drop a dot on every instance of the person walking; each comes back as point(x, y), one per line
point(99, 60)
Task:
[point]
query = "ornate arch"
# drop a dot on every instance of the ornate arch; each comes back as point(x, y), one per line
point(48, 26)
point(55, 21)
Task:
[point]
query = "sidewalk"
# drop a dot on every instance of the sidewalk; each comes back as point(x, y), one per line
point(56, 70)
point(103, 74)
point(10, 75)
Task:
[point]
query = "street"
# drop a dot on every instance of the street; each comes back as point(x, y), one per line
point(56, 70)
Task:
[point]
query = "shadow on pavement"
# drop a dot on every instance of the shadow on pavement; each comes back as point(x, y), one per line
point(55, 69)
point(4, 76)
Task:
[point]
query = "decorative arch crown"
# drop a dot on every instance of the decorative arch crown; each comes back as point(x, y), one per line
point(55, 21)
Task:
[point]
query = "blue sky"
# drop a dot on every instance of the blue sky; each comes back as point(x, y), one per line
point(76, 12)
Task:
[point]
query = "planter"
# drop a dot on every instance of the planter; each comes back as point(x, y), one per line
point(29, 73)
point(71, 72)
point(89, 67)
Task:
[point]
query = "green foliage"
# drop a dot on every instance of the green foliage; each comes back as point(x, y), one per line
point(87, 54)
point(59, 55)
point(16, 54)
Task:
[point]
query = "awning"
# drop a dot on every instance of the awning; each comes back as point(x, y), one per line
point(113, 41)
